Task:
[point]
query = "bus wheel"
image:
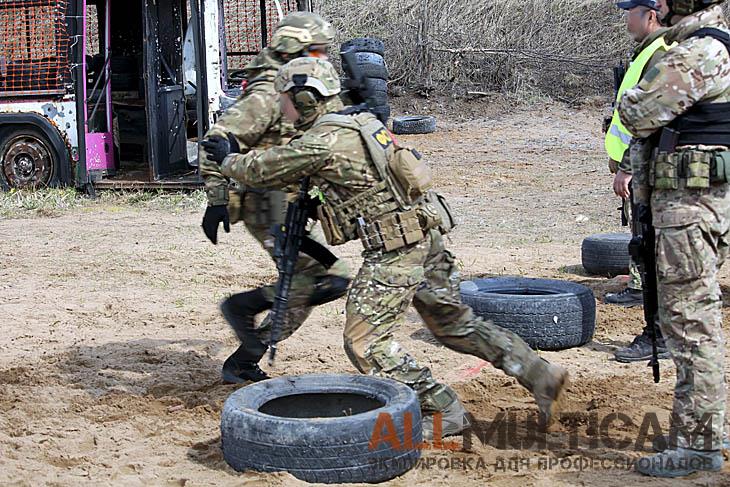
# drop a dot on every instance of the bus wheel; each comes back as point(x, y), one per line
point(27, 160)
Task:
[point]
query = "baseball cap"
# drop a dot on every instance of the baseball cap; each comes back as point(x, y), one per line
point(629, 4)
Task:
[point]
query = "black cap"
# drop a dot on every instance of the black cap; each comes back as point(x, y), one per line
point(629, 4)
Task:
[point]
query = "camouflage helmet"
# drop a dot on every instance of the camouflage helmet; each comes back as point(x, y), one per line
point(308, 71)
point(300, 30)
point(687, 7)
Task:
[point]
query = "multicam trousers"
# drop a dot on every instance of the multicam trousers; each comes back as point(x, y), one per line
point(692, 237)
point(426, 275)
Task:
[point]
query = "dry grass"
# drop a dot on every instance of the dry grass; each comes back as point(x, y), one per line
point(561, 48)
point(52, 202)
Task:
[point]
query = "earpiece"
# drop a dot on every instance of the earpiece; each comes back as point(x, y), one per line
point(305, 99)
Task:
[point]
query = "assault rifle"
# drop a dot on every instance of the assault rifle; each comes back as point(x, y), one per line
point(290, 239)
point(355, 82)
point(642, 249)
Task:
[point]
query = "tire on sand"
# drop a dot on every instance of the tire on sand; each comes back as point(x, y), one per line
point(319, 428)
point(606, 254)
point(546, 313)
point(414, 125)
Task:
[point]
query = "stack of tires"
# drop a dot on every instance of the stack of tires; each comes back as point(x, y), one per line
point(369, 54)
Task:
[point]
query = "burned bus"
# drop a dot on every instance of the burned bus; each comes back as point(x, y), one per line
point(105, 93)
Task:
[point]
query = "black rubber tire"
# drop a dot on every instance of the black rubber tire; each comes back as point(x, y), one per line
point(546, 313)
point(606, 254)
point(377, 84)
point(364, 44)
point(379, 98)
point(372, 65)
point(382, 112)
point(321, 449)
point(414, 125)
point(9, 137)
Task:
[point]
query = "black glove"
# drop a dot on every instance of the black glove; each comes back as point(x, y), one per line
point(218, 147)
point(214, 215)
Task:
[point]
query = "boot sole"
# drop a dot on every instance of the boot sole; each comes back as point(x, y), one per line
point(627, 360)
point(230, 378)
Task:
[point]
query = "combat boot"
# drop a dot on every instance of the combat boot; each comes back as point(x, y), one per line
point(454, 419)
point(242, 366)
point(628, 297)
point(640, 349)
point(240, 311)
point(663, 442)
point(680, 462)
point(547, 382)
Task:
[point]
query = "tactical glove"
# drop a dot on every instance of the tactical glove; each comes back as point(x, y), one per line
point(217, 147)
point(214, 215)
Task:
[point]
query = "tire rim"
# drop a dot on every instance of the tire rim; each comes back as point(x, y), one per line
point(27, 162)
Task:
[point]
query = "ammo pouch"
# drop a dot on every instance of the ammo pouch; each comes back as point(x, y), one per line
point(331, 227)
point(698, 169)
point(269, 206)
point(411, 174)
point(436, 213)
point(391, 231)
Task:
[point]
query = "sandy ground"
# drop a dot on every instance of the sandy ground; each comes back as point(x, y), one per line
point(112, 343)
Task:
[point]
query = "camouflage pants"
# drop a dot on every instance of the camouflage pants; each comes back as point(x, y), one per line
point(261, 210)
point(426, 275)
point(692, 237)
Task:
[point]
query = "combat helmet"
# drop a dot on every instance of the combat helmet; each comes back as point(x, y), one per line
point(315, 73)
point(300, 30)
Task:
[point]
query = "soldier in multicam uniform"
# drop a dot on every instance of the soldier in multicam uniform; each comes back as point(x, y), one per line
point(375, 190)
point(255, 122)
point(685, 101)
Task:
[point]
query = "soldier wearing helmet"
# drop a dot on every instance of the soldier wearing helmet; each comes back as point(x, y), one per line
point(374, 190)
point(683, 105)
point(255, 122)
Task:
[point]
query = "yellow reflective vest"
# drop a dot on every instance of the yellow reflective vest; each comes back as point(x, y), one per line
point(617, 137)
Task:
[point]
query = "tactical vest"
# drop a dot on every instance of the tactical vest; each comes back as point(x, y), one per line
point(397, 210)
point(618, 137)
point(705, 123)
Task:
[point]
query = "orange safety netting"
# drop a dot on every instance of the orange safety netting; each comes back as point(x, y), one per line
point(34, 46)
point(243, 22)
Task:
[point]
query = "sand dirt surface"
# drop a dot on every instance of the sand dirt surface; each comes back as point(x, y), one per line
point(111, 341)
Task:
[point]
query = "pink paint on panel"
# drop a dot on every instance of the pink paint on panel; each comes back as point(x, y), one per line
point(100, 152)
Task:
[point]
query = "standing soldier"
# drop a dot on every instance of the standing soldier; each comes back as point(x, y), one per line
point(255, 122)
point(684, 101)
point(375, 191)
point(642, 22)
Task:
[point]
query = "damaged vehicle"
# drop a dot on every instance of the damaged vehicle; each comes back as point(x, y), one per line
point(98, 93)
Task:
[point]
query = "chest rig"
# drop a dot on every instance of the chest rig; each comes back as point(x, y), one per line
point(396, 211)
